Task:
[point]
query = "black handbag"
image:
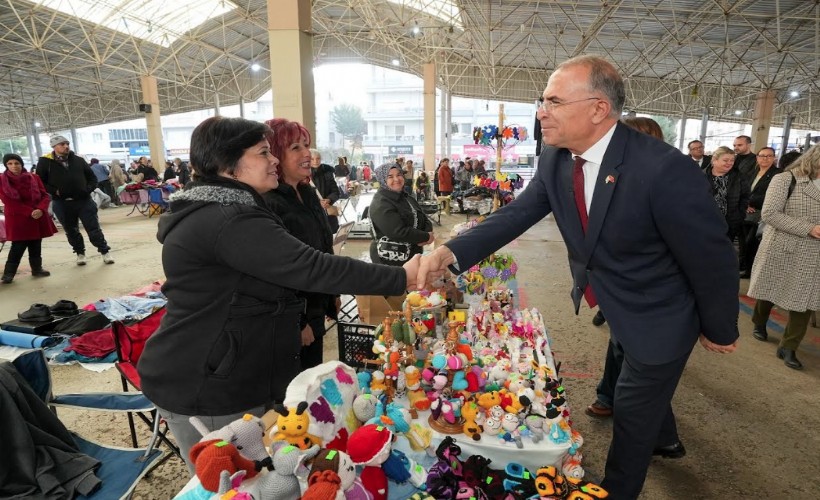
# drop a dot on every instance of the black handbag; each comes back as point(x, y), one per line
point(392, 251)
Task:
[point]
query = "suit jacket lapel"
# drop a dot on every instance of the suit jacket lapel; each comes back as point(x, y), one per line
point(605, 186)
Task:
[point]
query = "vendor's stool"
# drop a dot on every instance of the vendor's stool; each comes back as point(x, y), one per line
point(444, 202)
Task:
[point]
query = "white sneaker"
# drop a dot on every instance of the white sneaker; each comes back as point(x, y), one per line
point(80, 259)
point(107, 258)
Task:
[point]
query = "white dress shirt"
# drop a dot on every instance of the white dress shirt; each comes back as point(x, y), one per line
point(594, 156)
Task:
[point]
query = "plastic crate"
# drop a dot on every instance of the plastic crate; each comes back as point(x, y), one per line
point(355, 343)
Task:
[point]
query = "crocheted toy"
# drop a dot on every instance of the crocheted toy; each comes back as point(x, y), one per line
point(324, 485)
point(292, 426)
point(393, 416)
point(369, 445)
point(337, 462)
point(282, 482)
point(472, 413)
point(210, 458)
point(550, 483)
point(245, 434)
point(444, 475)
point(364, 407)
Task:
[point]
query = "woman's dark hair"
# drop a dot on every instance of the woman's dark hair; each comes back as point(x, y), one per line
point(787, 159)
point(284, 133)
point(218, 143)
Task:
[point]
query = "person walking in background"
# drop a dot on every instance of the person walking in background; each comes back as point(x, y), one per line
point(70, 181)
point(400, 227)
point(644, 239)
point(760, 184)
point(25, 203)
point(409, 176)
point(117, 176)
point(786, 271)
point(445, 177)
point(605, 391)
point(297, 203)
point(103, 176)
point(324, 180)
point(730, 191)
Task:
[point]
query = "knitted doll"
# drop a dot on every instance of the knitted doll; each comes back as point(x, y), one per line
point(369, 445)
point(281, 483)
point(341, 465)
point(245, 433)
point(210, 458)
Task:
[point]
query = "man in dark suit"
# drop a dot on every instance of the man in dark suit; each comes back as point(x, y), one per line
point(696, 153)
point(653, 251)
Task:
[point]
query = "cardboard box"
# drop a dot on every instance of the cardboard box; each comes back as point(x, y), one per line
point(374, 308)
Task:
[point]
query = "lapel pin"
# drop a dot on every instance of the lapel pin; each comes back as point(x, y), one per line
point(610, 179)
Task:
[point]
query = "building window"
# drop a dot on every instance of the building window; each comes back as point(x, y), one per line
point(97, 136)
point(127, 137)
point(332, 137)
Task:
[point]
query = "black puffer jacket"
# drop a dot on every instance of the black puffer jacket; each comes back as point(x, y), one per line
point(73, 183)
point(307, 221)
point(398, 217)
point(230, 339)
point(737, 195)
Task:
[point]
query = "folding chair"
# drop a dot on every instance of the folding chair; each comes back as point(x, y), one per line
point(129, 340)
point(156, 202)
point(340, 237)
point(120, 469)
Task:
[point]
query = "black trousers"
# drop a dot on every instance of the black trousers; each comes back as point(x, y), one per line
point(311, 355)
point(643, 420)
point(750, 245)
point(605, 392)
point(18, 248)
point(70, 213)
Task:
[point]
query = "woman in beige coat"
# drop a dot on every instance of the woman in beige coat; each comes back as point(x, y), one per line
point(786, 271)
point(117, 179)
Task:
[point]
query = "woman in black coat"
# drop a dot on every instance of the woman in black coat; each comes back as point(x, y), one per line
point(299, 206)
point(766, 169)
point(325, 181)
point(730, 190)
point(400, 227)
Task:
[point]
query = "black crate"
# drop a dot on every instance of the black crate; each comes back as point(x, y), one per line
point(355, 343)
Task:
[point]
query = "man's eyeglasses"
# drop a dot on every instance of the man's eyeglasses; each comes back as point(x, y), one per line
point(551, 104)
point(765, 156)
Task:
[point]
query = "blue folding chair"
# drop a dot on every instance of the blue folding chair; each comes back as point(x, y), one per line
point(120, 468)
point(156, 203)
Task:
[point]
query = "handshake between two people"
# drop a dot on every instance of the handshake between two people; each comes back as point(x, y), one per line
point(426, 270)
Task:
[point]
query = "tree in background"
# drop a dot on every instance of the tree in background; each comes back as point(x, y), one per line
point(18, 145)
point(669, 127)
point(348, 121)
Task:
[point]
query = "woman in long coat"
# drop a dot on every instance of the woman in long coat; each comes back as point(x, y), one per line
point(786, 271)
point(27, 219)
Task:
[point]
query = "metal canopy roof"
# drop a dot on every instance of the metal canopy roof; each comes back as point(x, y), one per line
point(678, 56)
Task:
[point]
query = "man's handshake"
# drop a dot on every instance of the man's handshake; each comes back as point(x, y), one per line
point(424, 271)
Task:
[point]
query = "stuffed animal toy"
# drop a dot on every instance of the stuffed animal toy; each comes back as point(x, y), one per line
point(245, 434)
point(492, 426)
point(471, 412)
point(418, 400)
point(510, 423)
point(489, 399)
point(281, 482)
point(364, 379)
point(292, 426)
point(393, 416)
point(212, 457)
point(549, 483)
point(369, 445)
point(412, 378)
point(337, 463)
point(377, 384)
point(364, 407)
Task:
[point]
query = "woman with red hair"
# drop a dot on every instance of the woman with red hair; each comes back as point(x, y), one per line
point(298, 204)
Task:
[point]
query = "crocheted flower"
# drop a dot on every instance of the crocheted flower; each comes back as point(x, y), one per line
point(505, 275)
point(489, 272)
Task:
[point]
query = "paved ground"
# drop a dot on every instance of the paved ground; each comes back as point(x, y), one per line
point(749, 423)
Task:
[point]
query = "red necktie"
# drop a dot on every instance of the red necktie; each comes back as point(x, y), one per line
point(581, 205)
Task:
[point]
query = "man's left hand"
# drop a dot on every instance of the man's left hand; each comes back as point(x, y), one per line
point(720, 349)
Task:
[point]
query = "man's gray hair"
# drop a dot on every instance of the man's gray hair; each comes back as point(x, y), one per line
point(315, 152)
point(603, 78)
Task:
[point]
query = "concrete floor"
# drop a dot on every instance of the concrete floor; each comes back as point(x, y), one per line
point(750, 424)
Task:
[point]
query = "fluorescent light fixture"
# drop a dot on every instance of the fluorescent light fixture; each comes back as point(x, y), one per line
point(444, 10)
point(416, 29)
point(37, 124)
point(738, 112)
point(157, 21)
point(255, 66)
point(396, 62)
point(794, 93)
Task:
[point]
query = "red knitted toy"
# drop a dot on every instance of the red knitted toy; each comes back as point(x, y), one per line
point(370, 445)
point(210, 458)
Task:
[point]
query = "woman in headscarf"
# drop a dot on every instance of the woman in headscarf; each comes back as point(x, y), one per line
point(117, 179)
point(400, 226)
point(27, 220)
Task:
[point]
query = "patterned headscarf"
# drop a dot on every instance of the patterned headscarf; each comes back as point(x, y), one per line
point(382, 171)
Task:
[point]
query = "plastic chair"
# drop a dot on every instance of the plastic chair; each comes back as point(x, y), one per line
point(120, 469)
point(129, 340)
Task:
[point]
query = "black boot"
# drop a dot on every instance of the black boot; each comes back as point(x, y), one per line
point(37, 268)
point(789, 357)
point(8, 273)
point(760, 333)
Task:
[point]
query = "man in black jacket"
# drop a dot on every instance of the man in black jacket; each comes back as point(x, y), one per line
point(70, 181)
point(325, 181)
